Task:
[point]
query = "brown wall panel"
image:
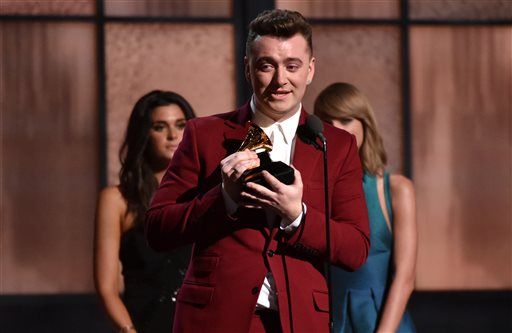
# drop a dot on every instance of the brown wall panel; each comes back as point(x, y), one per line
point(205, 8)
point(343, 9)
point(368, 57)
point(462, 155)
point(49, 165)
point(194, 60)
point(460, 9)
point(48, 7)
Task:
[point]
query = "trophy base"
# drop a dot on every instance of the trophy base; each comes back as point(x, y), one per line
point(283, 172)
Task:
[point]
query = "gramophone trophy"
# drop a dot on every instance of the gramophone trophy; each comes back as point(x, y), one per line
point(257, 141)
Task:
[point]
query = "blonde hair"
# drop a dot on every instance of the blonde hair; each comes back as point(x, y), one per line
point(343, 100)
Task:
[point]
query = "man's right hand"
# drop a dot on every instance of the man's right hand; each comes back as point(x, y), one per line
point(232, 168)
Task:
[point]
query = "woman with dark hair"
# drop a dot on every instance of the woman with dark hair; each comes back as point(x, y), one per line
point(374, 298)
point(151, 280)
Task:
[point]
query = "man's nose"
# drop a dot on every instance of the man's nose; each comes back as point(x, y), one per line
point(280, 76)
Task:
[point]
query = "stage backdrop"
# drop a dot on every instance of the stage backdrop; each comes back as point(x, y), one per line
point(438, 74)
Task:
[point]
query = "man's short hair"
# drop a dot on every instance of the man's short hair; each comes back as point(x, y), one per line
point(279, 23)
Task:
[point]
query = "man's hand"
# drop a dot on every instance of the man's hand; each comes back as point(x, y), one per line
point(233, 166)
point(284, 200)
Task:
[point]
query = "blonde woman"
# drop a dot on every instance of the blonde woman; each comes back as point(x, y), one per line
point(374, 298)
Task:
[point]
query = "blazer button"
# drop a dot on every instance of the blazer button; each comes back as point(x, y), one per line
point(270, 253)
point(255, 290)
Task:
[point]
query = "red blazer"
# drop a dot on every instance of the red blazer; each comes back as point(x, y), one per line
point(232, 255)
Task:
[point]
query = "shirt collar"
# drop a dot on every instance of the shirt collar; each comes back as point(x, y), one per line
point(267, 124)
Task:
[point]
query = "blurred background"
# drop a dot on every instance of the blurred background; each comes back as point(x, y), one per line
point(437, 72)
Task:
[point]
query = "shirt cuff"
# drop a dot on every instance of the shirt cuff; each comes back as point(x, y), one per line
point(291, 227)
point(230, 204)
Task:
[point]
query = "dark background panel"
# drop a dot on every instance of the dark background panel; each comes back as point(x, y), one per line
point(440, 312)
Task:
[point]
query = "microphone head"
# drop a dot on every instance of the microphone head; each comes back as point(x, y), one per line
point(315, 125)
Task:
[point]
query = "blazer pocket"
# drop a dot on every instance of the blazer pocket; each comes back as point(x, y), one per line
point(203, 266)
point(195, 294)
point(321, 301)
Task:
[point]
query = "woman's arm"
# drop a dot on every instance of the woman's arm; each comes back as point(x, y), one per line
point(110, 213)
point(404, 253)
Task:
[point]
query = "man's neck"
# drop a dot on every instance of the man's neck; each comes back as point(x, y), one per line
point(276, 117)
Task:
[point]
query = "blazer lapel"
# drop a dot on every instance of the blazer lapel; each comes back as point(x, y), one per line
point(236, 128)
point(305, 157)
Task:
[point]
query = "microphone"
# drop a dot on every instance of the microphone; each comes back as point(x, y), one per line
point(311, 130)
point(315, 126)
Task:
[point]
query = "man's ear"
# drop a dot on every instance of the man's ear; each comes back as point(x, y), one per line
point(311, 70)
point(247, 69)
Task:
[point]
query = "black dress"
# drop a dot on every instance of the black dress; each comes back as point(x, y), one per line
point(151, 281)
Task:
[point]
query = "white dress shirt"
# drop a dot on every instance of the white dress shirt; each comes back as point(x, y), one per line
point(282, 135)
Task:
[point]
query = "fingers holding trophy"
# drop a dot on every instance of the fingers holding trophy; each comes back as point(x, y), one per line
point(256, 140)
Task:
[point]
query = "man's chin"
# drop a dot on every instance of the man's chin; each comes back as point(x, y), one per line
point(284, 113)
point(281, 107)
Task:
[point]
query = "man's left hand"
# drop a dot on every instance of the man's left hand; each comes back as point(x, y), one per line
point(284, 200)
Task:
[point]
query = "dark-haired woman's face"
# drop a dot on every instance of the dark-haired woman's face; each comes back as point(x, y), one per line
point(167, 125)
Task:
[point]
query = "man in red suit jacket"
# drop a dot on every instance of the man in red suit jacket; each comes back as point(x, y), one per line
point(257, 263)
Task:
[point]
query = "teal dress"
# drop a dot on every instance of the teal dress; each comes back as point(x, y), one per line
point(358, 296)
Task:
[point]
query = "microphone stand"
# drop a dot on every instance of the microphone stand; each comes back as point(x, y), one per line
point(309, 134)
point(327, 234)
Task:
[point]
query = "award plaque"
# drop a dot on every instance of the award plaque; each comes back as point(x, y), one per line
point(257, 141)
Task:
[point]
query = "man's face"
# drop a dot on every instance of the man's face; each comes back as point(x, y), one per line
point(279, 70)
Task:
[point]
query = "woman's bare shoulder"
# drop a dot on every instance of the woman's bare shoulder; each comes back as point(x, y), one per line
point(111, 196)
point(401, 186)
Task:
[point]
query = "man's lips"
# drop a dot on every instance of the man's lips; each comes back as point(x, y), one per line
point(279, 94)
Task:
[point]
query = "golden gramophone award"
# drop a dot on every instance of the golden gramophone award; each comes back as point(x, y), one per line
point(257, 141)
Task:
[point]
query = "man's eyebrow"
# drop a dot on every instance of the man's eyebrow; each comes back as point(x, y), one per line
point(272, 60)
point(266, 59)
point(294, 60)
